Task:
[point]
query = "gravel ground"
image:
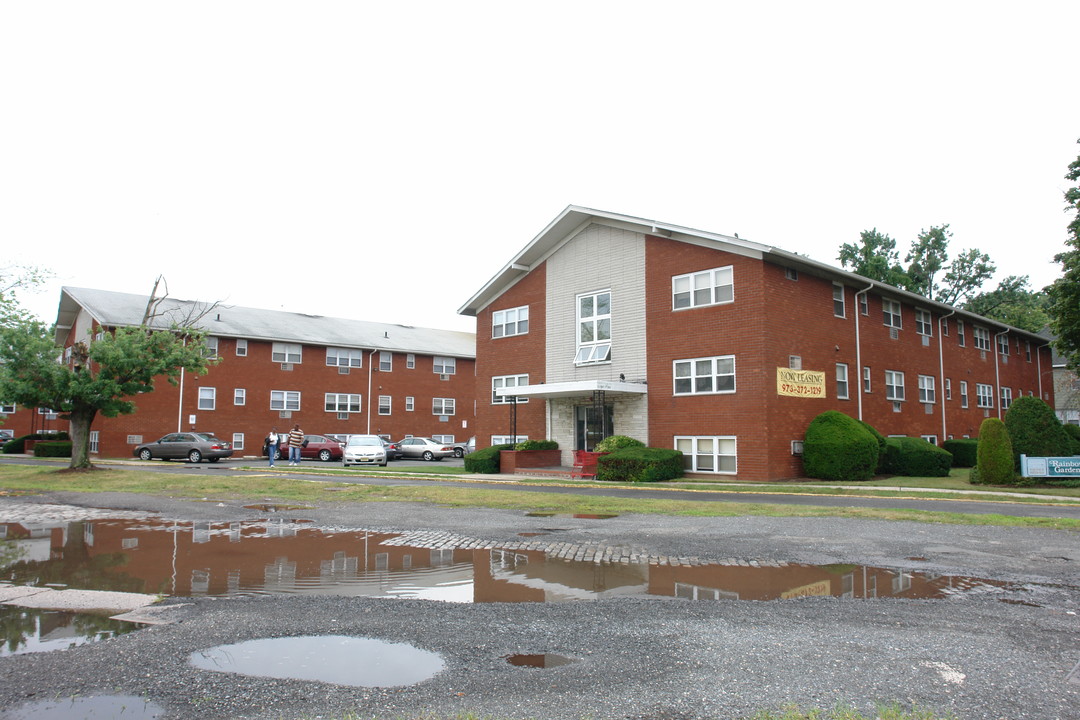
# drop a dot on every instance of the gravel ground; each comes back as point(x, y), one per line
point(1001, 655)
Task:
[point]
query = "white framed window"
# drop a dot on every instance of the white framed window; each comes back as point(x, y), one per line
point(507, 323)
point(945, 326)
point(284, 400)
point(841, 381)
point(932, 439)
point(241, 347)
point(708, 454)
point(238, 441)
point(838, 308)
point(866, 383)
point(95, 441)
point(708, 287)
point(1003, 344)
point(342, 402)
point(210, 346)
point(508, 439)
point(384, 404)
point(1027, 349)
point(501, 382)
point(410, 403)
point(7, 408)
point(791, 274)
point(1006, 398)
point(890, 312)
point(963, 394)
point(894, 385)
point(444, 439)
point(961, 340)
point(594, 328)
point(703, 376)
point(386, 361)
point(444, 365)
point(924, 322)
point(410, 361)
point(927, 389)
point(982, 338)
point(239, 396)
point(207, 398)
point(984, 395)
point(344, 357)
point(442, 406)
point(948, 389)
point(864, 304)
point(286, 353)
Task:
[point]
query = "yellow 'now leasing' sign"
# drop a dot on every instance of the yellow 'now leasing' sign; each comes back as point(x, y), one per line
point(800, 383)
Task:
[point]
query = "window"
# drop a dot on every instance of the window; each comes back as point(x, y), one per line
point(386, 361)
point(210, 346)
point(286, 353)
point(945, 327)
point(284, 400)
point(963, 394)
point(948, 389)
point(791, 274)
point(95, 441)
point(384, 404)
point(708, 454)
point(410, 361)
point(342, 402)
point(890, 310)
point(238, 441)
point(960, 339)
point(410, 403)
point(507, 323)
point(507, 381)
point(866, 378)
point(442, 406)
point(239, 396)
point(841, 381)
point(7, 408)
point(1006, 398)
point(207, 398)
point(1003, 344)
point(1027, 349)
point(838, 300)
point(924, 322)
point(894, 385)
point(864, 304)
point(932, 439)
point(444, 439)
point(241, 347)
point(982, 338)
point(984, 395)
point(444, 365)
point(344, 357)
point(927, 391)
point(709, 287)
point(508, 439)
point(594, 328)
point(705, 375)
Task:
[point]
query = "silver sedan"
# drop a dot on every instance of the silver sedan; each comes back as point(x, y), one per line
point(424, 448)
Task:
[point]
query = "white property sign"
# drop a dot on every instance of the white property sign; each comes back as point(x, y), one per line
point(1050, 466)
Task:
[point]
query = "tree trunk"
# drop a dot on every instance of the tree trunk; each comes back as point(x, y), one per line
point(79, 428)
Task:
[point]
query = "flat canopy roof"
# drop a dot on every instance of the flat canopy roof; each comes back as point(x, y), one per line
point(577, 388)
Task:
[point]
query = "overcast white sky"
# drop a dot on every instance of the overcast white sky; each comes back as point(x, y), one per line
point(382, 161)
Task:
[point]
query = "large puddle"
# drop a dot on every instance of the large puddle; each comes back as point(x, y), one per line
point(280, 555)
point(93, 707)
point(28, 630)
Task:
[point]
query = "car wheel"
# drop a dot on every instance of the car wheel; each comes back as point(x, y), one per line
point(194, 456)
point(145, 454)
point(383, 465)
point(458, 452)
point(428, 456)
point(277, 454)
point(212, 459)
point(324, 455)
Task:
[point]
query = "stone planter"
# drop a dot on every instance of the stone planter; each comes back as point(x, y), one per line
point(511, 460)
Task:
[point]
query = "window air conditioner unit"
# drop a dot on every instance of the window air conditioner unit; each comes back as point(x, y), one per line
point(286, 366)
point(343, 371)
point(444, 376)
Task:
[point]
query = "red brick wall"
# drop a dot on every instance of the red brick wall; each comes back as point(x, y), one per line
point(512, 356)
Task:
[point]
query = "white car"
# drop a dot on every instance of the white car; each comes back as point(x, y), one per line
point(364, 450)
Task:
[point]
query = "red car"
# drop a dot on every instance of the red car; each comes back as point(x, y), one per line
point(316, 447)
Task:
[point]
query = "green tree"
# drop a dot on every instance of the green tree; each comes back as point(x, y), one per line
point(1013, 302)
point(994, 457)
point(927, 257)
point(1064, 294)
point(1035, 430)
point(13, 280)
point(102, 376)
point(874, 257)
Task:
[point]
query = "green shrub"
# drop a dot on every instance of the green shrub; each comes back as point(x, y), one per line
point(1035, 430)
point(640, 464)
point(994, 465)
point(964, 451)
point(18, 445)
point(1073, 431)
point(915, 457)
point(537, 445)
point(486, 460)
point(837, 447)
point(53, 448)
point(617, 442)
point(880, 441)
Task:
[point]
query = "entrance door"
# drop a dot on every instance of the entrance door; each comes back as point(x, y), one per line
point(590, 426)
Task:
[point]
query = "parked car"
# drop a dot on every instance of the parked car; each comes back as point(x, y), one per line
point(393, 452)
point(461, 449)
point(364, 450)
point(190, 446)
point(315, 447)
point(424, 448)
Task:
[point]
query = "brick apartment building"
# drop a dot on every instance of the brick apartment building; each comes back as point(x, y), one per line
point(724, 349)
point(330, 375)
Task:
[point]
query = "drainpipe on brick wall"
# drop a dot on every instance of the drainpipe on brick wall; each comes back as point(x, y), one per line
point(997, 369)
point(370, 371)
point(858, 347)
point(180, 400)
point(1038, 368)
point(941, 371)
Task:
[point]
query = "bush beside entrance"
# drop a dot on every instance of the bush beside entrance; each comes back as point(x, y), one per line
point(838, 447)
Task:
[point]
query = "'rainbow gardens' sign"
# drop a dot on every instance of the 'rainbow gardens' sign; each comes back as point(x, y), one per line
point(1049, 466)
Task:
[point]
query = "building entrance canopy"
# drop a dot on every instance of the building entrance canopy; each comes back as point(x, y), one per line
point(575, 389)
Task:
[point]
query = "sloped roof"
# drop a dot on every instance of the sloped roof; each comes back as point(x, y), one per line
point(115, 309)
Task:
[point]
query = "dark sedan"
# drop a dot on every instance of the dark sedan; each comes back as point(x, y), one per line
point(193, 447)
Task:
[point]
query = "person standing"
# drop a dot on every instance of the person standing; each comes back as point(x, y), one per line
point(273, 440)
point(296, 441)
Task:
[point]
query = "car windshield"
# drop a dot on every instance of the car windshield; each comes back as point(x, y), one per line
point(364, 440)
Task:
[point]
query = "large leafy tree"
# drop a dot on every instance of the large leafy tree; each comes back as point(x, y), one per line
point(1013, 302)
point(1064, 295)
point(13, 280)
point(874, 256)
point(102, 376)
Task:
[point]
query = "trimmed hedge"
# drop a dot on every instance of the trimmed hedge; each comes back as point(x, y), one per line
point(838, 447)
point(995, 455)
point(880, 441)
point(18, 445)
point(640, 464)
point(964, 451)
point(486, 460)
point(915, 457)
point(537, 445)
point(617, 442)
point(1035, 430)
point(53, 448)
